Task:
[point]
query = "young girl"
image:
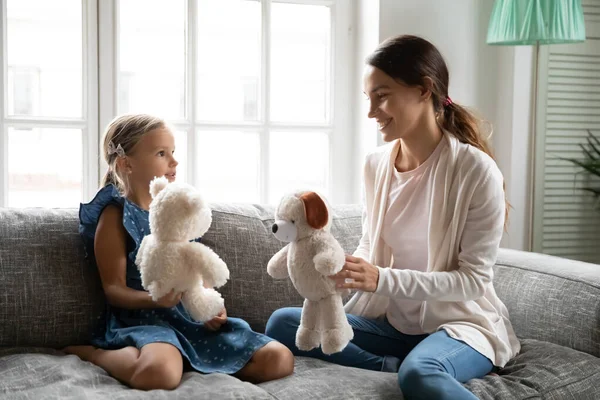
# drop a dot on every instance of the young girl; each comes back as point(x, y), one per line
point(425, 305)
point(140, 342)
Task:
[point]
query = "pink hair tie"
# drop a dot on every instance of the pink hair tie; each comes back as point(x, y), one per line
point(448, 101)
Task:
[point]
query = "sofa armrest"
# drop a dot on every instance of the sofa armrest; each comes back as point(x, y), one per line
point(551, 298)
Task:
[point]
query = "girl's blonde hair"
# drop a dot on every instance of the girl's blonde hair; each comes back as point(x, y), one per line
point(125, 131)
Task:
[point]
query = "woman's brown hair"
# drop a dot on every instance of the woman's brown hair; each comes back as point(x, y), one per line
point(416, 62)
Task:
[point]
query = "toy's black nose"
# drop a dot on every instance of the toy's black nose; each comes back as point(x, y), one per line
point(274, 228)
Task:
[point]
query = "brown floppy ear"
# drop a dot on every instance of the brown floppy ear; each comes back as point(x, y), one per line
point(315, 210)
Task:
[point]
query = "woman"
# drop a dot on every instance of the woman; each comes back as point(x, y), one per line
point(435, 210)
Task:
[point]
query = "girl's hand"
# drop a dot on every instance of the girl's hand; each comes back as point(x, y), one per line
point(365, 275)
point(216, 323)
point(169, 300)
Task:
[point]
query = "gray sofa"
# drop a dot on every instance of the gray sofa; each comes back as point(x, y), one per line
point(50, 298)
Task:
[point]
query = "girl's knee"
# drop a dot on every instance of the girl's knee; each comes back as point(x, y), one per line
point(282, 322)
point(276, 361)
point(160, 370)
point(155, 376)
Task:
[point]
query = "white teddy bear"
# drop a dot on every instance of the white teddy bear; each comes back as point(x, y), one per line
point(168, 260)
point(312, 255)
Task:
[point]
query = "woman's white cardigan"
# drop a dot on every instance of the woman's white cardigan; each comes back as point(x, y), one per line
point(465, 228)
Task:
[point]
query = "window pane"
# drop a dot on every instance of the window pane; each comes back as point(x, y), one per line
point(300, 60)
point(228, 166)
point(152, 57)
point(229, 58)
point(181, 155)
point(44, 45)
point(289, 169)
point(44, 167)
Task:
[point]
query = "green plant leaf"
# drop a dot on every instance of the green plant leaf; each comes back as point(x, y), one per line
point(594, 137)
point(595, 191)
point(591, 167)
point(586, 152)
point(593, 146)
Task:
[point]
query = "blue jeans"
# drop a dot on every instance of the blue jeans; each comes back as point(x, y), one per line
point(428, 366)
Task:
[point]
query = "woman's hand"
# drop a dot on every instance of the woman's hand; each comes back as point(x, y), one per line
point(216, 323)
point(169, 300)
point(364, 275)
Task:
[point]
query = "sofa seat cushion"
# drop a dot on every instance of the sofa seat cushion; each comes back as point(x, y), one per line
point(37, 373)
point(543, 370)
point(315, 379)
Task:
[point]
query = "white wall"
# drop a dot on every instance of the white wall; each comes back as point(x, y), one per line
point(366, 38)
point(512, 141)
point(494, 80)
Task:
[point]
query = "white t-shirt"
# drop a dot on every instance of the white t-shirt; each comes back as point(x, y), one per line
point(405, 231)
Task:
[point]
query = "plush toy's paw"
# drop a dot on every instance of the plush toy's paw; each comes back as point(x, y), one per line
point(203, 304)
point(272, 268)
point(156, 290)
point(335, 340)
point(327, 265)
point(220, 274)
point(344, 292)
point(216, 273)
point(276, 269)
point(307, 339)
point(158, 184)
point(213, 269)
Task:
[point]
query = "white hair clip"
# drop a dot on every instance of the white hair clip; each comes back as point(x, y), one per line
point(112, 149)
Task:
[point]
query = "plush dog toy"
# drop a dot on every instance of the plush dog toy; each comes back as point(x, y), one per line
point(168, 260)
point(310, 257)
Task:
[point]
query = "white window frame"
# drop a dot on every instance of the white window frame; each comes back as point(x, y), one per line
point(340, 181)
point(88, 123)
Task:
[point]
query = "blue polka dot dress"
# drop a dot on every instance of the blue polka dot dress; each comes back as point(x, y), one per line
point(225, 351)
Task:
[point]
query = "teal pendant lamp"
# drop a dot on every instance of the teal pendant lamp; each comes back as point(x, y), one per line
point(535, 22)
point(527, 22)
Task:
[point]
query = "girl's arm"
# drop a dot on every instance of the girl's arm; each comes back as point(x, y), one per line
point(111, 258)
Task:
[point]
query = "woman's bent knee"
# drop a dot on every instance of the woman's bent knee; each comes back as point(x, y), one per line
point(282, 322)
point(418, 377)
point(408, 378)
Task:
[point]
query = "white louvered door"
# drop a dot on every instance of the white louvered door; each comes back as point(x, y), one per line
point(566, 222)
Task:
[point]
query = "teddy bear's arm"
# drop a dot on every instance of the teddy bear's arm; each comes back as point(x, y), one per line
point(329, 258)
point(277, 266)
point(203, 260)
point(139, 258)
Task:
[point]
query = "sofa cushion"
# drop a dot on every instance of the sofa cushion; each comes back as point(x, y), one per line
point(551, 299)
point(317, 379)
point(543, 370)
point(51, 296)
point(45, 373)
